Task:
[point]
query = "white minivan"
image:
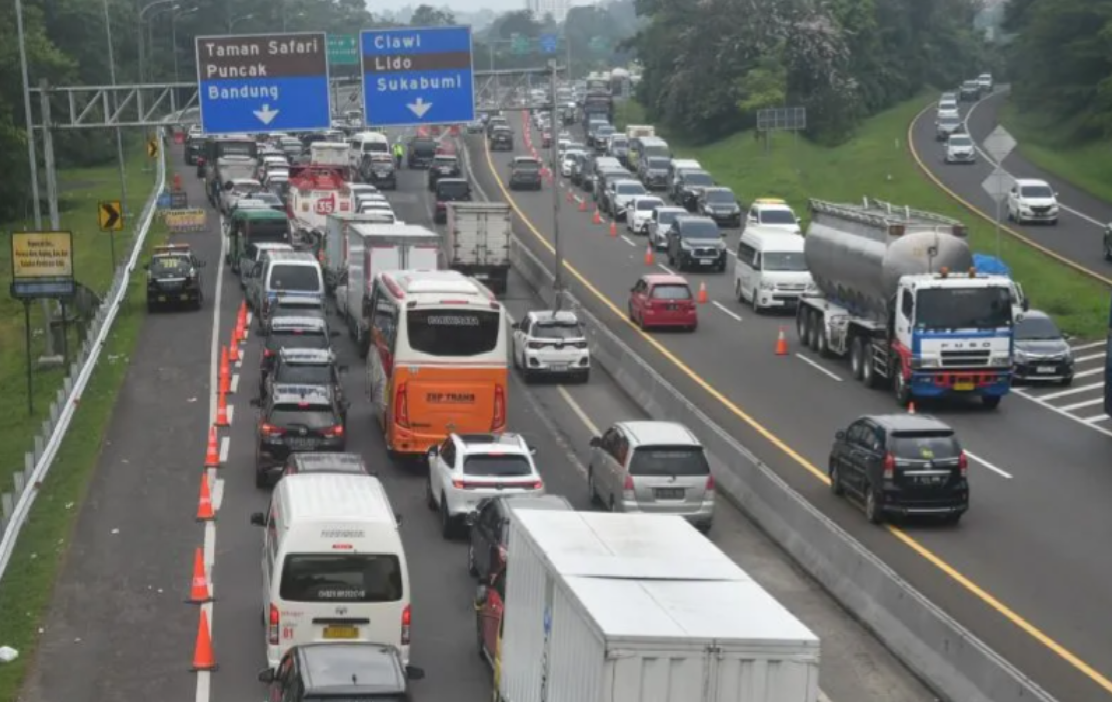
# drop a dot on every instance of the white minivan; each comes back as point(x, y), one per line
point(770, 271)
point(290, 274)
point(334, 569)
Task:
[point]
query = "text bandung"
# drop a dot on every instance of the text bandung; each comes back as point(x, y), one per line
point(243, 92)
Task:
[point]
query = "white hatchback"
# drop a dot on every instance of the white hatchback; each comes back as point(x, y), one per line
point(468, 468)
point(640, 213)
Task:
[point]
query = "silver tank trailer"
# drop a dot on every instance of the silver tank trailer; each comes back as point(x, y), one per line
point(860, 266)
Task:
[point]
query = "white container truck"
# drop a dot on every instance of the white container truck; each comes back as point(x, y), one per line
point(324, 153)
point(334, 256)
point(625, 608)
point(899, 296)
point(477, 242)
point(373, 248)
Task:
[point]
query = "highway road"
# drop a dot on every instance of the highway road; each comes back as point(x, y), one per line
point(1015, 572)
point(118, 627)
point(1082, 220)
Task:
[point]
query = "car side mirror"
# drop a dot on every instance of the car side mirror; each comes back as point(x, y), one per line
point(471, 518)
point(415, 673)
point(594, 442)
point(1024, 305)
point(266, 675)
point(840, 435)
point(258, 519)
point(533, 450)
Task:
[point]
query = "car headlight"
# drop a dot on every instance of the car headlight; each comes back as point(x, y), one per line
point(810, 288)
point(767, 285)
point(1004, 361)
point(925, 363)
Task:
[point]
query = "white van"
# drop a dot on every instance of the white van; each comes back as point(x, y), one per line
point(366, 143)
point(334, 569)
point(771, 270)
point(292, 274)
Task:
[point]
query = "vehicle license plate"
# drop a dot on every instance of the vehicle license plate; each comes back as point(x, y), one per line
point(162, 298)
point(1045, 369)
point(927, 480)
point(706, 261)
point(964, 385)
point(301, 443)
point(341, 632)
point(669, 493)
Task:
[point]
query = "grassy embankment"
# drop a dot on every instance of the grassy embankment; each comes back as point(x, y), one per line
point(876, 163)
point(1085, 164)
point(27, 587)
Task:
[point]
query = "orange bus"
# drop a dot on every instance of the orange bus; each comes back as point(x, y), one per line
point(438, 361)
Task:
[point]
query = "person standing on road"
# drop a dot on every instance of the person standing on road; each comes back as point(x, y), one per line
point(399, 151)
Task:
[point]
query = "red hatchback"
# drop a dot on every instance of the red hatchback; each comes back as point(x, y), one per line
point(662, 301)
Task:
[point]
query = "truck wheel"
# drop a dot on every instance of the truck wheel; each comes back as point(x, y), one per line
point(900, 385)
point(822, 348)
point(814, 326)
point(991, 402)
point(801, 321)
point(856, 358)
point(869, 377)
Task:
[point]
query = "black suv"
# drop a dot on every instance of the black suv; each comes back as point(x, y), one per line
point(501, 139)
point(489, 527)
point(904, 464)
point(193, 145)
point(721, 205)
point(449, 190)
point(969, 91)
point(332, 463)
point(696, 242)
point(295, 418)
point(421, 152)
point(443, 166)
point(350, 671)
point(292, 332)
point(689, 186)
point(378, 170)
point(525, 173)
point(315, 367)
point(174, 277)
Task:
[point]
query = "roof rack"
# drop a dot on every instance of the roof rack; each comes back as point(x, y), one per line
point(167, 249)
point(885, 215)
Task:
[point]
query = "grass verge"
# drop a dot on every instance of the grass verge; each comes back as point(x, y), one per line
point(79, 192)
point(876, 163)
point(1084, 165)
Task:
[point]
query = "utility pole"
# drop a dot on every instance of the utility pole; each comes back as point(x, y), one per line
point(119, 138)
point(558, 250)
point(32, 162)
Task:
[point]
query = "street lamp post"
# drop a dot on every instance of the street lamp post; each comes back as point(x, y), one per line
point(142, 33)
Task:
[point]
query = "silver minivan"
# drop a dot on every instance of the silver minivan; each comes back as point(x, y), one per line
point(652, 467)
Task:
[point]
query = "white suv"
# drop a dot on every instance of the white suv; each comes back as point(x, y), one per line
point(551, 342)
point(467, 468)
point(640, 212)
point(1033, 200)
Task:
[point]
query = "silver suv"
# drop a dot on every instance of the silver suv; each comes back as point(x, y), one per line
point(652, 467)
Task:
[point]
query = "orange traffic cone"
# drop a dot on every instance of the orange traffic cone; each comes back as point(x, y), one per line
point(911, 408)
point(199, 586)
point(234, 348)
point(203, 658)
point(596, 218)
point(614, 229)
point(222, 410)
point(241, 316)
point(177, 181)
point(224, 370)
point(782, 343)
point(212, 452)
point(650, 259)
point(205, 511)
point(702, 297)
point(583, 205)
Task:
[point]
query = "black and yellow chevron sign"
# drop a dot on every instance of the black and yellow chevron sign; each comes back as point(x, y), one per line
point(152, 148)
point(110, 214)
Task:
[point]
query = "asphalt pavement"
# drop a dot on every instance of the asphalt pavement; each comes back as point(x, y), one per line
point(1015, 572)
point(1082, 219)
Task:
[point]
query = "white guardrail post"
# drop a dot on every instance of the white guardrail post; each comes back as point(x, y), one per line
point(16, 506)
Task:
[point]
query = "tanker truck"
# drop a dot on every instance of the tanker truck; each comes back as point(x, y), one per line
point(897, 294)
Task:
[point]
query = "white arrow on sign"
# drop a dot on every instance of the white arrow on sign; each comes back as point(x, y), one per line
point(419, 107)
point(266, 115)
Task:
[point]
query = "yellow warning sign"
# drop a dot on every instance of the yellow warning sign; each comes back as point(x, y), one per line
point(179, 221)
point(152, 147)
point(110, 216)
point(42, 255)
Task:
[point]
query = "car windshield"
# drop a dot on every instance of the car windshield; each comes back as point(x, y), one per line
point(304, 374)
point(699, 230)
point(949, 122)
point(963, 308)
point(777, 217)
point(620, 142)
point(670, 291)
point(948, 105)
point(442, 161)
point(721, 197)
point(246, 188)
point(648, 205)
point(452, 190)
point(970, 84)
point(316, 417)
point(527, 165)
point(298, 278)
point(171, 265)
point(630, 188)
point(698, 179)
point(658, 164)
point(1037, 191)
point(668, 216)
point(1037, 329)
point(289, 339)
point(669, 461)
point(497, 465)
point(332, 577)
point(924, 446)
point(783, 261)
point(961, 141)
point(557, 330)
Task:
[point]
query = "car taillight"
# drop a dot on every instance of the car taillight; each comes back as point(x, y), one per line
point(271, 430)
point(273, 622)
point(460, 484)
point(499, 419)
point(335, 431)
point(401, 407)
point(536, 485)
point(962, 463)
point(406, 619)
point(710, 485)
point(890, 466)
point(628, 484)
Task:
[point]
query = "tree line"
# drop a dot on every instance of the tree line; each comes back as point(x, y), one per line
point(1059, 65)
point(710, 65)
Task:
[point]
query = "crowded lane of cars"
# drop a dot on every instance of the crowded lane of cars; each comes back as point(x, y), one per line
point(787, 410)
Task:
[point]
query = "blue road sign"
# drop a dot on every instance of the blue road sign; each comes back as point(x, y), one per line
point(549, 43)
point(417, 75)
point(263, 83)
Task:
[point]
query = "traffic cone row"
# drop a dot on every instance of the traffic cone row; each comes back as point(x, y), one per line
point(596, 218)
point(203, 658)
point(200, 590)
point(212, 450)
point(222, 410)
point(225, 375)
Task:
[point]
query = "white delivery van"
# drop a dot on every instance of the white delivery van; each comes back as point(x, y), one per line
point(374, 248)
point(290, 274)
point(334, 569)
point(602, 607)
point(770, 271)
point(366, 143)
point(477, 242)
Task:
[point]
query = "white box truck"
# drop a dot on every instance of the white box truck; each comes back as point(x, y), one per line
point(334, 256)
point(323, 153)
point(477, 242)
point(373, 248)
point(624, 608)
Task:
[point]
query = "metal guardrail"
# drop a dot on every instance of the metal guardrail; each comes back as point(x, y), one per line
point(16, 506)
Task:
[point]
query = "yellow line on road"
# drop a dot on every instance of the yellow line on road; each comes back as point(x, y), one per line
point(928, 555)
